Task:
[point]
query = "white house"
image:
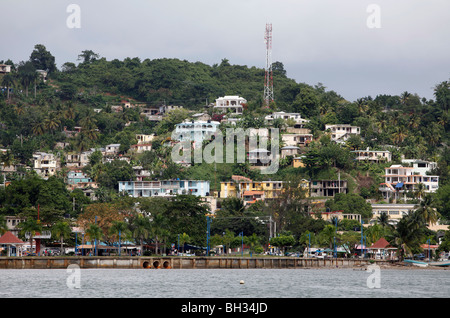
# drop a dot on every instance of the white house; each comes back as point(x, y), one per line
point(341, 132)
point(420, 166)
point(196, 131)
point(45, 164)
point(398, 180)
point(233, 104)
point(299, 121)
point(112, 149)
point(373, 155)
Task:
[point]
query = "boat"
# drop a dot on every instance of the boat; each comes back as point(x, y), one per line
point(416, 263)
point(441, 263)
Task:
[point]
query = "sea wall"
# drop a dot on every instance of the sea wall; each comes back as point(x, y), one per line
point(181, 262)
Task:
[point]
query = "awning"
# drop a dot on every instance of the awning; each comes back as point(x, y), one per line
point(399, 185)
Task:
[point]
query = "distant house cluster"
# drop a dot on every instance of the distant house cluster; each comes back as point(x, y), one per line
point(399, 180)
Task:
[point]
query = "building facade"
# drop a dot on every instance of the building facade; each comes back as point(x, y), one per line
point(398, 180)
point(164, 188)
point(341, 132)
point(230, 104)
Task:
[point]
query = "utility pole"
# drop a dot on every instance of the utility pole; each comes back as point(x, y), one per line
point(268, 80)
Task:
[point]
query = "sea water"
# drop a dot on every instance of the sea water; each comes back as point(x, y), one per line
point(222, 283)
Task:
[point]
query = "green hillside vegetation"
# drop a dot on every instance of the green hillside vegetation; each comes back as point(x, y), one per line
point(35, 114)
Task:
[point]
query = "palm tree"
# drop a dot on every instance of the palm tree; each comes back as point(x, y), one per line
point(141, 229)
point(184, 238)
point(52, 121)
point(94, 232)
point(427, 211)
point(328, 234)
point(81, 143)
point(8, 81)
point(383, 220)
point(252, 241)
point(27, 74)
point(407, 234)
point(399, 134)
point(7, 158)
point(158, 228)
point(120, 229)
point(404, 97)
point(38, 128)
point(30, 227)
point(61, 230)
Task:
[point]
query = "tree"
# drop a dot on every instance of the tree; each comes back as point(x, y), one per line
point(184, 238)
point(120, 229)
point(427, 209)
point(141, 229)
point(61, 230)
point(350, 203)
point(42, 59)
point(254, 241)
point(8, 81)
point(27, 74)
point(383, 219)
point(30, 227)
point(283, 241)
point(88, 56)
point(407, 235)
point(3, 225)
point(327, 235)
point(102, 214)
point(94, 233)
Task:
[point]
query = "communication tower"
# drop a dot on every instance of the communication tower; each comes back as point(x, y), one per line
point(268, 80)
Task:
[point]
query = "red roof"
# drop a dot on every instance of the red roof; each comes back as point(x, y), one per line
point(381, 243)
point(9, 238)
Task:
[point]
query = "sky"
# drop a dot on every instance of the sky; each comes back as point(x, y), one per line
point(356, 48)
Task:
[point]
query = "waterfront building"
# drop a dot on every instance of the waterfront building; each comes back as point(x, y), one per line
point(394, 211)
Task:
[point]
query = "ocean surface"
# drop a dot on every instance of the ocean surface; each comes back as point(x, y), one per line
point(223, 283)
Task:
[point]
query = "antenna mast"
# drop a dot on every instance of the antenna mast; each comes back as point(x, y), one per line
point(268, 80)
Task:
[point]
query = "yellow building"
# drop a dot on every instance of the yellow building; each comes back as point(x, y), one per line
point(240, 186)
point(297, 162)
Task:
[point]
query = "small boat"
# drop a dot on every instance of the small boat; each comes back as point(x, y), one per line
point(441, 263)
point(416, 263)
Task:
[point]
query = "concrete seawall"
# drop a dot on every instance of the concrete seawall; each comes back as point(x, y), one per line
point(180, 262)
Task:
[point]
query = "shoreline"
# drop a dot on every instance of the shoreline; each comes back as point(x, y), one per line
point(199, 262)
